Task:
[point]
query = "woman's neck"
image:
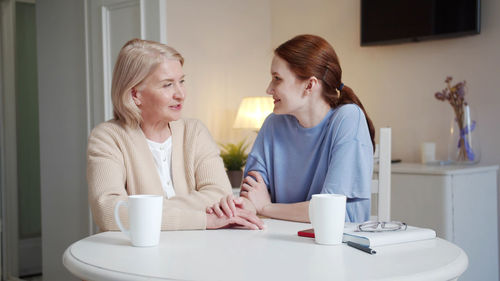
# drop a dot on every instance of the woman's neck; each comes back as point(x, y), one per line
point(157, 132)
point(313, 114)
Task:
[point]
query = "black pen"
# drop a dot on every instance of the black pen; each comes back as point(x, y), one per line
point(361, 247)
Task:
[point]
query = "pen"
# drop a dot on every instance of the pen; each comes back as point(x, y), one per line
point(361, 247)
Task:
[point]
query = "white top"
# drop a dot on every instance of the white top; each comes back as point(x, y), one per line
point(162, 153)
point(276, 253)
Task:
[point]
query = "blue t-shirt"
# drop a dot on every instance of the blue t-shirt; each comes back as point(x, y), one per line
point(335, 156)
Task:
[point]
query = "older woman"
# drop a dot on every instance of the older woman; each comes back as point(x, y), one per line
point(148, 149)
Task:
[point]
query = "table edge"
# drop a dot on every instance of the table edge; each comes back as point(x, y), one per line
point(90, 272)
point(452, 271)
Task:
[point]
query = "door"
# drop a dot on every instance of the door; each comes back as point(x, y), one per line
point(8, 157)
point(19, 165)
point(28, 142)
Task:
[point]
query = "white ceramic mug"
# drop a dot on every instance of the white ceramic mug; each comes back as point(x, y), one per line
point(144, 216)
point(327, 216)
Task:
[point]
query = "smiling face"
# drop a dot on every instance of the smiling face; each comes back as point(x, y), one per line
point(286, 88)
point(161, 95)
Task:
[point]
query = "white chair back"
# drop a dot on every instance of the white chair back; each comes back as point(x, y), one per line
point(381, 182)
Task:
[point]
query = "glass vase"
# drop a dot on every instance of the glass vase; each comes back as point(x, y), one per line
point(463, 145)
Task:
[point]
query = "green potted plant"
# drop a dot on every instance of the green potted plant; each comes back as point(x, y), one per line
point(235, 158)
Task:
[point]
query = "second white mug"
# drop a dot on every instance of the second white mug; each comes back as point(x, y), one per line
point(327, 216)
point(144, 216)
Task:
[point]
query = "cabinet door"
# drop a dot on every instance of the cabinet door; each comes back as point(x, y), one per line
point(424, 201)
point(475, 223)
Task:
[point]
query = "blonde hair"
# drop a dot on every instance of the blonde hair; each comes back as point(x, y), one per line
point(136, 60)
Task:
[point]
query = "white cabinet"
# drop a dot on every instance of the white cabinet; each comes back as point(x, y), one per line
point(459, 202)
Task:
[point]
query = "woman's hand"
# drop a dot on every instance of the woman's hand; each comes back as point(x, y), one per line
point(255, 190)
point(242, 218)
point(228, 205)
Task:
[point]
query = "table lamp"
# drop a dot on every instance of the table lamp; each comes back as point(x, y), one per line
point(252, 112)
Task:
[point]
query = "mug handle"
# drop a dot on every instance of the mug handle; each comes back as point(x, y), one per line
point(117, 217)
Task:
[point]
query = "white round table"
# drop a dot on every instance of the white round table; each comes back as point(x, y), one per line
point(276, 253)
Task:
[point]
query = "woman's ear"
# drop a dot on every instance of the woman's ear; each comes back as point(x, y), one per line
point(136, 96)
point(311, 85)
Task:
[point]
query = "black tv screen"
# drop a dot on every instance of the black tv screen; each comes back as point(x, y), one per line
point(395, 21)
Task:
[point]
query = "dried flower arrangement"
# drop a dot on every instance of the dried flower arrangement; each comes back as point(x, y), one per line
point(455, 95)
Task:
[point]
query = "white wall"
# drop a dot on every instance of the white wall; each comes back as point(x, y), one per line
point(63, 130)
point(227, 49)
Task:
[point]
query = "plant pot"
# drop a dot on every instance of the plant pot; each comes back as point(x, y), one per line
point(235, 178)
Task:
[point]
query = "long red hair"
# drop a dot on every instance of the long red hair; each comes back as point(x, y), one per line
point(310, 55)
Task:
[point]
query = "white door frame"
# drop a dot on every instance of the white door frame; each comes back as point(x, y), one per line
point(153, 26)
point(8, 153)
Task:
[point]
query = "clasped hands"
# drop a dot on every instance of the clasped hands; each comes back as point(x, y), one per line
point(241, 211)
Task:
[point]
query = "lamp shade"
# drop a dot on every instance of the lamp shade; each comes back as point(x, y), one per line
point(252, 112)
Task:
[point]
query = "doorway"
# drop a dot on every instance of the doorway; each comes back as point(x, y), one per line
point(19, 134)
point(28, 142)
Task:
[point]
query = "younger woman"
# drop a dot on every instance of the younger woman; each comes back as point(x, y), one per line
point(319, 139)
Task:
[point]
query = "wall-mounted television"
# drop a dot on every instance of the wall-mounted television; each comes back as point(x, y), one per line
point(396, 21)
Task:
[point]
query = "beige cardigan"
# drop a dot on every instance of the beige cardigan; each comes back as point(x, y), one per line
point(120, 163)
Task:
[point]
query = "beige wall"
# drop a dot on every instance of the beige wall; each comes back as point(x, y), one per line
point(397, 83)
point(227, 48)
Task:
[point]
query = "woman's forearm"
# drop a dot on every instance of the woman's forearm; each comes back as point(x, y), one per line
point(293, 211)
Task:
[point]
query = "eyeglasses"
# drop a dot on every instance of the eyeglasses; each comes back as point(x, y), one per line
point(380, 226)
